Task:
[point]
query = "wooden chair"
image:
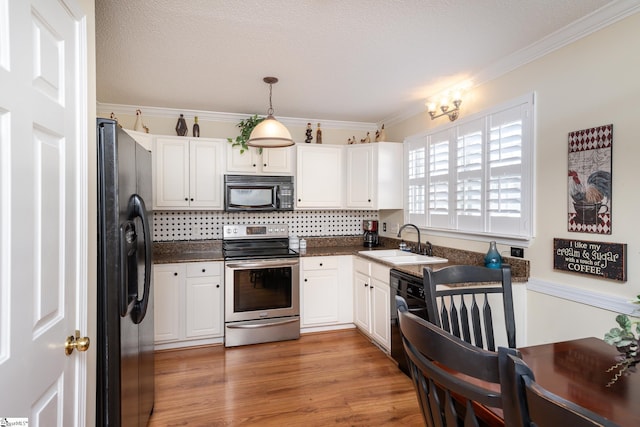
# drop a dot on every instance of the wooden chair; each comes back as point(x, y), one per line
point(529, 404)
point(436, 361)
point(457, 309)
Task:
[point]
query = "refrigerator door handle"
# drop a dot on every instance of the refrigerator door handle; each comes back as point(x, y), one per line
point(137, 209)
point(126, 230)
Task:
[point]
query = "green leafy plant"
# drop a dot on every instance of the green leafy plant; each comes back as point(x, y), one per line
point(625, 339)
point(246, 126)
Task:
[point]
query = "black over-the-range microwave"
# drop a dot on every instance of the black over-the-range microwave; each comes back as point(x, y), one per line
point(258, 193)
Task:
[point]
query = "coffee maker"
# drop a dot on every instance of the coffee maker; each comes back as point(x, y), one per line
point(370, 228)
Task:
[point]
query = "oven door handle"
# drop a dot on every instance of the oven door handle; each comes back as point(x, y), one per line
point(261, 325)
point(263, 263)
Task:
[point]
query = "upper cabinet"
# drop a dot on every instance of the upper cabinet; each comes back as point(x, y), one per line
point(187, 173)
point(374, 176)
point(272, 161)
point(319, 180)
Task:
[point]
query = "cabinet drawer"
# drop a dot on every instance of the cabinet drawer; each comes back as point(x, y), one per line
point(201, 269)
point(380, 272)
point(319, 263)
point(362, 266)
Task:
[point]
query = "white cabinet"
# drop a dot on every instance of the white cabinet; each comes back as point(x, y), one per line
point(272, 161)
point(372, 304)
point(374, 176)
point(167, 289)
point(188, 301)
point(188, 173)
point(325, 291)
point(319, 177)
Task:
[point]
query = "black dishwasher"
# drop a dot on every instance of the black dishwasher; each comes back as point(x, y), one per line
point(411, 288)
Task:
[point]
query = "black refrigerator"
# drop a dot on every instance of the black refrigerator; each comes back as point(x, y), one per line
point(125, 364)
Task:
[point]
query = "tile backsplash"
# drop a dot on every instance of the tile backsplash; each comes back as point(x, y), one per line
point(205, 225)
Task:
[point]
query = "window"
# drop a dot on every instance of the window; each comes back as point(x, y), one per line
point(476, 175)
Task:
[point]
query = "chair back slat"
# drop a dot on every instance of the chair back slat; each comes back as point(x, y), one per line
point(463, 320)
point(488, 324)
point(475, 321)
point(452, 296)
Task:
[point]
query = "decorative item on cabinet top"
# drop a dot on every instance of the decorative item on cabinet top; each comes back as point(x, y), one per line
point(246, 127)
point(139, 126)
point(181, 127)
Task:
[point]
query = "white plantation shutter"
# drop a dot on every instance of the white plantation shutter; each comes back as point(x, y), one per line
point(415, 154)
point(476, 176)
point(439, 179)
point(469, 182)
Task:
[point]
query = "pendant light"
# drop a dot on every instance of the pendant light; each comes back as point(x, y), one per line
point(270, 133)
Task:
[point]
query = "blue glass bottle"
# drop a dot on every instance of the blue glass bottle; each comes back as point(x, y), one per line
point(492, 259)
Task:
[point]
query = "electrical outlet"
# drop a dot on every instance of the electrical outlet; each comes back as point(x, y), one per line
point(517, 252)
point(397, 228)
point(384, 226)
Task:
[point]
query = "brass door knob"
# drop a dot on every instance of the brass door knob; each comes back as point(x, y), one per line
point(76, 342)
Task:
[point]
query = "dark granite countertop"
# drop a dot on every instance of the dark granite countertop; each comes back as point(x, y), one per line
point(187, 251)
point(211, 250)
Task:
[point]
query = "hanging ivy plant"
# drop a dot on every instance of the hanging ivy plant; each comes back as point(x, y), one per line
point(246, 126)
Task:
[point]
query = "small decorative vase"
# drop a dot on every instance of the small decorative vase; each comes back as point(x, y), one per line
point(493, 259)
point(196, 127)
point(319, 135)
point(181, 126)
point(308, 134)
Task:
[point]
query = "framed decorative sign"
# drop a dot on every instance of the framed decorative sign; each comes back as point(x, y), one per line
point(590, 180)
point(606, 260)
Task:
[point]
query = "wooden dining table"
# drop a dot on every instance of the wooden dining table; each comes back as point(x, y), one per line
point(577, 371)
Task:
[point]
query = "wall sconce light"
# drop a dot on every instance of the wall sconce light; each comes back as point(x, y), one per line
point(446, 109)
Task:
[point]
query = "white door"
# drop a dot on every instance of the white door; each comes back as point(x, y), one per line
point(43, 210)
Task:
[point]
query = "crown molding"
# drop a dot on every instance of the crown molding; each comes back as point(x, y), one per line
point(601, 18)
point(215, 116)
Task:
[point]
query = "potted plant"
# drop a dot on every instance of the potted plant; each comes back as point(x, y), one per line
point(246, 126)
point(625, 339)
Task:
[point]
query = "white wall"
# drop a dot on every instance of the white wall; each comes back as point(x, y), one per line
point(591, 82)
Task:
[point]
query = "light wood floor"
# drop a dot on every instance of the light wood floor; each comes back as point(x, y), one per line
point(324, 379)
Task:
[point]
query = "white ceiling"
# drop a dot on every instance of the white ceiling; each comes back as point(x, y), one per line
point(351, 60)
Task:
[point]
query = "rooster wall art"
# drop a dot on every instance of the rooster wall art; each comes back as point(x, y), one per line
point(590, 180)
point(597, 189)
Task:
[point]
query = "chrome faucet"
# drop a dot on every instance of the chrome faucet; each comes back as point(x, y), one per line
point(417, 230)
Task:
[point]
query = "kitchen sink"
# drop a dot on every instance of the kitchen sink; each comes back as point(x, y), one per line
point(398, 257)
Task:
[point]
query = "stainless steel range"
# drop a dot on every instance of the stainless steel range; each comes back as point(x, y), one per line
point(262, 285)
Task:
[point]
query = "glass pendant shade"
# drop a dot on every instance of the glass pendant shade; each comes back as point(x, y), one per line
point(270, 133)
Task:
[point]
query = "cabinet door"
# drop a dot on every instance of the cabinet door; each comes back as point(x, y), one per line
point(205, 177)
point(381, 313)
point(362, 301)
point(277, 161)
point(319, 177)
point(171, 171)
point(360, 168)
point(203, 309)
point(247, 162)
point(168, 288)
point(320, 297)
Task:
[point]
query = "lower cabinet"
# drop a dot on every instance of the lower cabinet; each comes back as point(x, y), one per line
point(188, 302)
point(326, 293)
point(372, 304)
